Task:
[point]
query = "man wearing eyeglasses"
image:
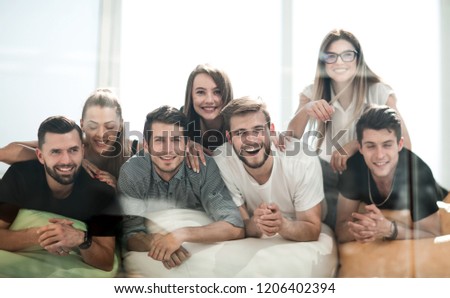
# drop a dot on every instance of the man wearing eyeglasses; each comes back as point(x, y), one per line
point(277, 192)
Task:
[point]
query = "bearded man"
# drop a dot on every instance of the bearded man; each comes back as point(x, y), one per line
point(81, 221)
point(277, 192)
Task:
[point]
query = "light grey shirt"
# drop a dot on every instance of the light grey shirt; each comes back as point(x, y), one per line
point(142, 191)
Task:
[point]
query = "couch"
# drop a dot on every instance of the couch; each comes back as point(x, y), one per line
point(400, 258)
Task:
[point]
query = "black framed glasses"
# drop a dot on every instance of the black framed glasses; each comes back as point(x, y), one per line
point(244, 134)
point(330, 58)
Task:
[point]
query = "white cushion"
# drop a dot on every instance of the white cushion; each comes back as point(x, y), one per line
point(250, 257)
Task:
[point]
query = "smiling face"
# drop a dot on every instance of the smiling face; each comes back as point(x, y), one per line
point(167, 147)
point(101, 126)
point(380, 150)
point(250, 138)
point(61, 155)
point(207, 97)
point(340, 71)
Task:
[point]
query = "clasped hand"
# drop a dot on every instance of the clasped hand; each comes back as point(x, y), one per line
point(167, 248)
point(268, 219)
point(369, 226)
point(58, 237)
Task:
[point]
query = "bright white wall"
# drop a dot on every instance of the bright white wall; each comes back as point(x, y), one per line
point(48, 63)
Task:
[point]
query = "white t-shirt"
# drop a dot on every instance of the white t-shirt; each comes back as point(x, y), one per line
point(343, 119)
point(295, 183)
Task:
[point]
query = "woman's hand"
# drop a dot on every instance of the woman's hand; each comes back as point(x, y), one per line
point(196, 153)
point(320, 110)
point(96, 173)
point(339, 158)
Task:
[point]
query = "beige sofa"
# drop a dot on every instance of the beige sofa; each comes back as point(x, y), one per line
point(399, 258)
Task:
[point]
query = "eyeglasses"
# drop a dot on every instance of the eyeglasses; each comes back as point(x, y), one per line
point(258, 131)
point(347, 56)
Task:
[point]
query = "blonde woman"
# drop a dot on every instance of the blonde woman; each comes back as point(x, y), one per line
point(105, 147)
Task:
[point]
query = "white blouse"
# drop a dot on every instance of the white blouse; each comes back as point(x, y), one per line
point(343, 122)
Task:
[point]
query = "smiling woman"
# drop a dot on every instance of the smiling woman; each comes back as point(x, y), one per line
point(208, 90)
point(343, 86)
point(105, 147)
point(104, 140)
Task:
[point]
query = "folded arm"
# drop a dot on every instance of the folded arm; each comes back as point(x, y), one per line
point(372, 225)
point(17, 240)
point(60, 236)
point(163, 247)
point(168, 247)
point(345, 209)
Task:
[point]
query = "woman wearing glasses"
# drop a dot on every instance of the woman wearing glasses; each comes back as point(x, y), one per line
point(342, 87)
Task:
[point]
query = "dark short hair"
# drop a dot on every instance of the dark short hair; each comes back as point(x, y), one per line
point(167, 115)
point(58, 125)
point(242, 106)
point(378, 118)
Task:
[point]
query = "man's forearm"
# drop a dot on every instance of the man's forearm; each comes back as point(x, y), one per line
point(297, 230)
point(139, 242)
point(18, 240)
point(214, 232)
point(101, 253)
point(251, 229)
point(343, 233)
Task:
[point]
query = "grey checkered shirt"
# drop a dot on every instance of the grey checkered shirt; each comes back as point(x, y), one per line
point(142, 191)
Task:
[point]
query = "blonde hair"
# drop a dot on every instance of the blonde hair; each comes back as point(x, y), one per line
point(104, 97)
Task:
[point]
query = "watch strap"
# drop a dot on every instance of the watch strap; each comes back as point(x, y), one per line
point(87, 241)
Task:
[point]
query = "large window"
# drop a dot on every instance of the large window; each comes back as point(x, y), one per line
point(162, 41)
point(48, 63)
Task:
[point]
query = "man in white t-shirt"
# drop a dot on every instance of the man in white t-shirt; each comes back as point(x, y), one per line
point(277, 192)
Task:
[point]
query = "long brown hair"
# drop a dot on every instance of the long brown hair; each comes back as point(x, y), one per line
point(364, 76)
point(223, 83)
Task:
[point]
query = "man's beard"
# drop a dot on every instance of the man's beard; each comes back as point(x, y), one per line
point(66, 179)
point(266, 148)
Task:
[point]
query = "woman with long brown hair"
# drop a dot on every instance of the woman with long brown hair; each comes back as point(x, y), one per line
point(343, 86)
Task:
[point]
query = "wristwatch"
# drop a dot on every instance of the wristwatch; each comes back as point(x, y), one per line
point(394, 233)
point(86, 242)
